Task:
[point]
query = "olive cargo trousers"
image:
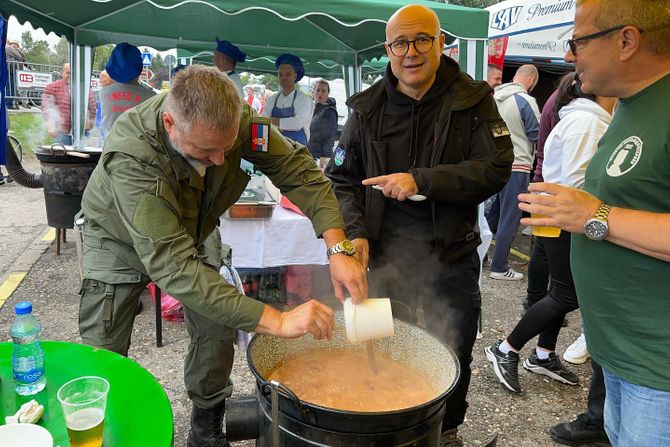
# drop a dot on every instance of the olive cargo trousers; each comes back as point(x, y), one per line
point(109, 305)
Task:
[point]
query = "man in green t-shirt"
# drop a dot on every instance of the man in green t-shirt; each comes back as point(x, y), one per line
point(621, 220)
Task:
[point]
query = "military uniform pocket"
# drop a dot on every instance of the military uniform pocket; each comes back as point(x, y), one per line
point(103, 265)
point(109, 299)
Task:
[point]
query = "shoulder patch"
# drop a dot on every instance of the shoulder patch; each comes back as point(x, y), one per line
point(260, 134)
point(499, 129)
point(339, 155)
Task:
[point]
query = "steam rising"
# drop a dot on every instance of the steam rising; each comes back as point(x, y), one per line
point(410, 273)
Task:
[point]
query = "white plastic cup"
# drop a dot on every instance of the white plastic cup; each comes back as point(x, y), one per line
point(370, 320)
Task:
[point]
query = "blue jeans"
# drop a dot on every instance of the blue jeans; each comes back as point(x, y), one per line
point(635, 416)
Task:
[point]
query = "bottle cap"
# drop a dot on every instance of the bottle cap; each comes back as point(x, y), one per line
point(24, 307)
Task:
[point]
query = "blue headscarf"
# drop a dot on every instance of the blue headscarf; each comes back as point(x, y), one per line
point(230, 50)
point(293, 61)
point(125, 63)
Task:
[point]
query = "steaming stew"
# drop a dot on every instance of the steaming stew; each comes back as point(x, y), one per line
point(343, 380)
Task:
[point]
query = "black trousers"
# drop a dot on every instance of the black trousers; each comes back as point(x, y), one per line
point(538, 273)
point(596, 399)
point(546, 316)
point(448, 295)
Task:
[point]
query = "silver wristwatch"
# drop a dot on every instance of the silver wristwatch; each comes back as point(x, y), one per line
point(596, 228)
point(346, 247)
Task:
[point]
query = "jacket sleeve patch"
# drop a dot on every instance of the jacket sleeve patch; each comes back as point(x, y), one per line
point(339, 155)
point(260, 134)
point(499, 129)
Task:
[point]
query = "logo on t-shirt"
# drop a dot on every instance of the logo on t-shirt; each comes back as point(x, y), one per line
point(625, 157)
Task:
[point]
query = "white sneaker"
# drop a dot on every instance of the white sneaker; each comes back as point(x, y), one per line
point(577, 352)
point(509, 275)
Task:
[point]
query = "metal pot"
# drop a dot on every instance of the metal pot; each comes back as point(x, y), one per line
point(300, 423)
point(65, 174)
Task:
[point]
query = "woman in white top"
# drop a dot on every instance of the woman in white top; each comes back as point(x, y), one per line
point(567, 152)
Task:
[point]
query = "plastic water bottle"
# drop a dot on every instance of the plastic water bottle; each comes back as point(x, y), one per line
point(28, 356)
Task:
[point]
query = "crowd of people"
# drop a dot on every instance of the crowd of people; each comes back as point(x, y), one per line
point(597, 154)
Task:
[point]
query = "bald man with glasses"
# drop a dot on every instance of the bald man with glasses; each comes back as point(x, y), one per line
point(425, 131)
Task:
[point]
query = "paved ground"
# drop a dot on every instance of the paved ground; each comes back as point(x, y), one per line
point(52, 283)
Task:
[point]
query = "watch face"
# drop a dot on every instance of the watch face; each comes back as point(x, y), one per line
point(348, 247)
point(595, 229)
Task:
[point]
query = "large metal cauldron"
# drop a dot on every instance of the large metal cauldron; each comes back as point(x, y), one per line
point(301, 423)
point(65, 173)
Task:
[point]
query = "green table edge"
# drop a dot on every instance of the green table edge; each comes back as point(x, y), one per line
point(138, 410)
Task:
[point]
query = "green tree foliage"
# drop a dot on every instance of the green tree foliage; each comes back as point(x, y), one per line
point(101, 56)
point(271, 82)
point(36, 51)
point(159, 68)
point(61, 51)
point(39, 51)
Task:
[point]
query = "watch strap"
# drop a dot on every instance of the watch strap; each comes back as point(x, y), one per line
point(341, 247)
point(603, 212)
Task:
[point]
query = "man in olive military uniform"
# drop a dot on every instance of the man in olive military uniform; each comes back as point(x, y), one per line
point(169, 169)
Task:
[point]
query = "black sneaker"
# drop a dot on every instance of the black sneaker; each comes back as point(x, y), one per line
point(551, 367)
point(578, 432)
point(505, 366)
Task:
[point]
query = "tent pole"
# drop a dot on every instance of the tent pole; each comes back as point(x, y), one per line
point(80, 75)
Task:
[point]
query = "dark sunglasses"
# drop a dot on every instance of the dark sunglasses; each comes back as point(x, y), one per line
point(573, 42)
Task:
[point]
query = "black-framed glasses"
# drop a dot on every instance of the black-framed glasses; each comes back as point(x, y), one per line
point(572, 43)
point(422, 45)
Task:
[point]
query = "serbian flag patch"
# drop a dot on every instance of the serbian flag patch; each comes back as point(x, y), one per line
point(260, 136)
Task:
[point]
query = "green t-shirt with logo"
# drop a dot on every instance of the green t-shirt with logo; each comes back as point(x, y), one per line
point(625, 295)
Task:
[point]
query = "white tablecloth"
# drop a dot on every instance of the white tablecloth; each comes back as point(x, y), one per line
point(285, 239)
point(288, 239)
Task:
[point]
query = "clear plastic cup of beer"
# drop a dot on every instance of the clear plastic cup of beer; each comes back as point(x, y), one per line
point(84, 401)
point(544, 231)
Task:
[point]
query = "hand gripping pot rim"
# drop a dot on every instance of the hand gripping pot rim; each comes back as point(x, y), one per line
point(370, 320)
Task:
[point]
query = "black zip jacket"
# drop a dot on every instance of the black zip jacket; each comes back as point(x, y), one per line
point(470, 160)
point(322, 129)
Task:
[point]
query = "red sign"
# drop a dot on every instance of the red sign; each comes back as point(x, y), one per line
point(147, 74)
point(497, 50)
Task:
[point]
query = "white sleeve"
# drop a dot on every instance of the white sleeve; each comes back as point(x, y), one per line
point(304, 108)
point(578, 149)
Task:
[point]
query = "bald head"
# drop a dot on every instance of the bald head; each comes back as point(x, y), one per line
point(414, 46)
point(527, 76)
point(65, 72)
point(105, 80)
point(409, 16)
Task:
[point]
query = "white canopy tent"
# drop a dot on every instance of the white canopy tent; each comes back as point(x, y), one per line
point(536, 30)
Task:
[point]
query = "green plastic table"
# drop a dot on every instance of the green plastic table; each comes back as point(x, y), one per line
point(138, 410)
